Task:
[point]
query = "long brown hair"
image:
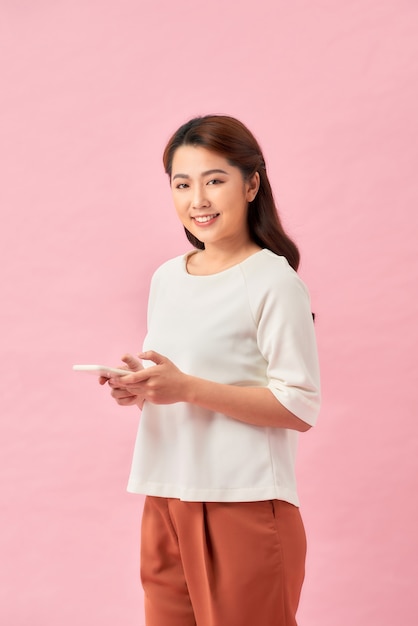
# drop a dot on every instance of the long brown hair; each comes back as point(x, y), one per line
point(231, 139)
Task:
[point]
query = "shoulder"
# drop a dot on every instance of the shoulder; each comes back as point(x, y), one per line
point(272, 285)
point(172, 267)
point(269, 271)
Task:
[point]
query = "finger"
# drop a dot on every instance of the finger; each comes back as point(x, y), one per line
point(127, 401)
point(153, 356)
point(114, 383)
point(121, 393)
point(133, 364)
point(136, 378)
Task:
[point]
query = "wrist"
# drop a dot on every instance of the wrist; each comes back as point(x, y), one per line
point(189, 389)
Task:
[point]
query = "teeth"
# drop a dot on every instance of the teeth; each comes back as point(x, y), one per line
point(205, 218)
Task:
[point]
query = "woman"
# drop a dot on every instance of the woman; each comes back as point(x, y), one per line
point(230, 377)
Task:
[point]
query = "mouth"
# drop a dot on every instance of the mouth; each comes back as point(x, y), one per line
point(205, 220)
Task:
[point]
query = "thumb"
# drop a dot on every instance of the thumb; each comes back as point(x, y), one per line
point(150, 355)
point(133, 364)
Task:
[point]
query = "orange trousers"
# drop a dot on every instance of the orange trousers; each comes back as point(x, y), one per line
point(221, 563)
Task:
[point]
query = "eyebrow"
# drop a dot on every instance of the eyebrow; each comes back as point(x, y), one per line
point(207, 173)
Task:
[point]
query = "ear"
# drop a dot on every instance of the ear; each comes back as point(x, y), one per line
point(253, 186)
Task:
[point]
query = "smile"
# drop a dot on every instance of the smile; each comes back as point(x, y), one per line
point(205, 219)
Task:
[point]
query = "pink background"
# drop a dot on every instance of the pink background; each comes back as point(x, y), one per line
point(91, 91)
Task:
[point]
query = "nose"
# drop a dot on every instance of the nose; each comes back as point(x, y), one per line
point(200, 199)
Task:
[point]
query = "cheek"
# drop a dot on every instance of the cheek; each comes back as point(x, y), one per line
point(176, 201)
point(239, 203)
point(180, 209)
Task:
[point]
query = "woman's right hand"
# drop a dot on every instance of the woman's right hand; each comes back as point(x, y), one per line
point(122, 396)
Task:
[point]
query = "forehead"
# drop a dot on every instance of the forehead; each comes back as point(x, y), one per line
point(196, 159)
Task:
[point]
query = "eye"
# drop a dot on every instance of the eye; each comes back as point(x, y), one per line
point(182, 186)
point(215, 181)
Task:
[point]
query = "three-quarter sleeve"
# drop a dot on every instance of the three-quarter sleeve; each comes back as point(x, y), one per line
point(286, 339)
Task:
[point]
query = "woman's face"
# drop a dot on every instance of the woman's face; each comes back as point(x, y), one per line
point(211, 196)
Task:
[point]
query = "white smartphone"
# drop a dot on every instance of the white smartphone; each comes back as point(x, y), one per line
point(101, 370)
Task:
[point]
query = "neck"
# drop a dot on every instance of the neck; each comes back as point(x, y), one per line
point(226, 254)
point(215, 258)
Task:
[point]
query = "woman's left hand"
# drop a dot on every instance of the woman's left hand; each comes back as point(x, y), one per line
point(162, 383)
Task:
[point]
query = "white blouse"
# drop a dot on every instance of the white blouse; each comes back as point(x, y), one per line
point(249, 325)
